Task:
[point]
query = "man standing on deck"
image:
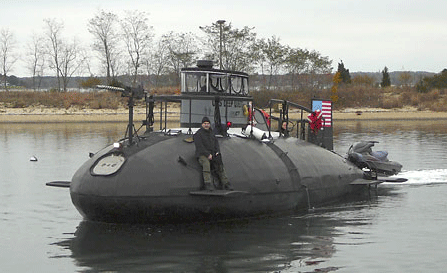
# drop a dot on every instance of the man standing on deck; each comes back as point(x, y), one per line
point(207, 152)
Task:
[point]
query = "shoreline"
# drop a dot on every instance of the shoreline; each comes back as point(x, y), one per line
point(50, 115)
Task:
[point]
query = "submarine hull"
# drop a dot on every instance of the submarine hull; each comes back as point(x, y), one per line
point(159, 178)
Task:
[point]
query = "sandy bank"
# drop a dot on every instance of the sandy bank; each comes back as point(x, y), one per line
point(387, 114)
point(51, 115)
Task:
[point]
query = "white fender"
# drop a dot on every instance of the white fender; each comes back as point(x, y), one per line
point(257, 133)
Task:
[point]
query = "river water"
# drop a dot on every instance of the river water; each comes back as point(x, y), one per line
point(399, 228)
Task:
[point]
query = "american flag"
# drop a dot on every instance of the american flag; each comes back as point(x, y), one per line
point(325, 106)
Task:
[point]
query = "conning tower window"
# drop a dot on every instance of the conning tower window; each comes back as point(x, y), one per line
point(238, 85)
point(215, 83)
point(219, 82)
point(195, 82)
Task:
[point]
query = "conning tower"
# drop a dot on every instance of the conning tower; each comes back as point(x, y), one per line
point(214, 93)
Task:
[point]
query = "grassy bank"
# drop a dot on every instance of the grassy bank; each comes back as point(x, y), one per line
point(66, 100)
point(364, 97)
point(348, 97)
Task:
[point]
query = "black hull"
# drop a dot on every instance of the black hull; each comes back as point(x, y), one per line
point(153, 185)
point(183, 209)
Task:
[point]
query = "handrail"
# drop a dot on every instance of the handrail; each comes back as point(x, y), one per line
point(284, 115)
point(188, 97)
point(290, 103)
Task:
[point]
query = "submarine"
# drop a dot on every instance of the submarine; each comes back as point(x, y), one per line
point(277, 160)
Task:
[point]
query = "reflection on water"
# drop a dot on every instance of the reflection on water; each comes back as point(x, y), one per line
point(304, 241)
point(391, 126)
point(266, 245)
point(111, 131)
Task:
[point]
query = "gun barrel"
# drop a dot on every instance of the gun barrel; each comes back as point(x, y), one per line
point(111, 88)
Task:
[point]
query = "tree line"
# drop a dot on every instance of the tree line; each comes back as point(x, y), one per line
point(424, 82)
point(127, 46)
point(126, 50)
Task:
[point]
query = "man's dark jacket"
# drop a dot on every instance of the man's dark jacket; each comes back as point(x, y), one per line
point(206, 143)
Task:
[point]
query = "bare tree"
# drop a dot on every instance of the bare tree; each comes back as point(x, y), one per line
point(137, 37)
point(319, 69)
point(237, 45)
point(53, 33)
point(36, 60)
point(182, 51)
point(273, 55)
point(7, 56)
point(70, 61)
point(103, 28)
point(65, 58)
point(86, 58)
point(302, 64)
point(157, 63)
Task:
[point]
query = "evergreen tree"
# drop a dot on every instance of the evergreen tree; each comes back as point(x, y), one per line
point(386, 81)
point(438, 81)
point(344, 73)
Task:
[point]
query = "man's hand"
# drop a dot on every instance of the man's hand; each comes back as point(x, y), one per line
point(210, 157)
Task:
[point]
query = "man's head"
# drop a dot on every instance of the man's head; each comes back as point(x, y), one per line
point(206, 123)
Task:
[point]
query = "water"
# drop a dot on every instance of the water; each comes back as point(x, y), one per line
point(400, 228)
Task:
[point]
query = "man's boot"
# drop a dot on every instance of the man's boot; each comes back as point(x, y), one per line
point(224, 180)
point(207, 181)
point(227, 186)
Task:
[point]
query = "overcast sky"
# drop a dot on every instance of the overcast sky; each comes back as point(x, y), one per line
point(366, 35)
